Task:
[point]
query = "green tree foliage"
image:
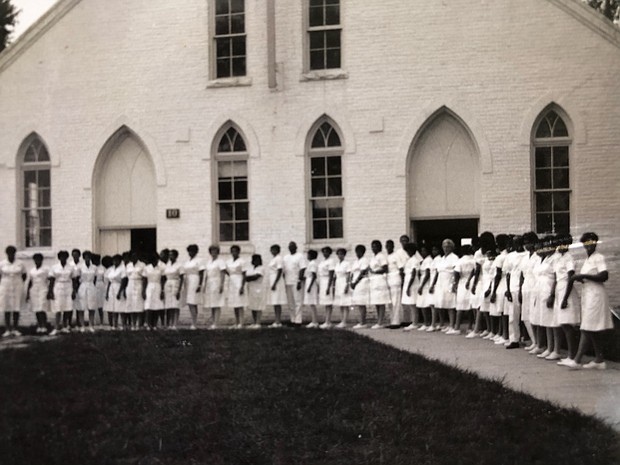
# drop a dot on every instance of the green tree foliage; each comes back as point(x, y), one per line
point(609, 8)
point(8, 14)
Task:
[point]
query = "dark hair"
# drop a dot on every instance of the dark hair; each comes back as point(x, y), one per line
point(117, 257)
point(377, 243)
point(410, 248)
point(62, 253)
point(389, 242)
point(565, 239)
point(341, 251)
point(75, 251)
point(502, 241)
point(487, 240)
point(235, 247)
point(312, 254)
point(37, 256)
point(192, 247)
point(258, 258)
point(530, 237)
point(404, 236)
point(589, 237)
point(214, 248)
point(10, 249)
point(87, 252)
point(275, 247)
point(174, 251)
point(106, 261)
point(360, 248)
point(327, 249)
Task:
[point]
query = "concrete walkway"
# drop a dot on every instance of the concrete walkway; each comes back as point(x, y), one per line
point(593, 392)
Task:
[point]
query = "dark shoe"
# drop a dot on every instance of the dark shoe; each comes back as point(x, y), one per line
point(513, 345)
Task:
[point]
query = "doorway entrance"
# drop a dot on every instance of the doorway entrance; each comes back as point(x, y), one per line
point(435, 231)
point(144, 242)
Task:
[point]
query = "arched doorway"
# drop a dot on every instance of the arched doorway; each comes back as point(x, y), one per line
point(125, 196)
point(444, 181)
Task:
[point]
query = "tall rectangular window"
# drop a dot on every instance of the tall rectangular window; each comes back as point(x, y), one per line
point(324, 34)
point(230, 38)
point(36, 195)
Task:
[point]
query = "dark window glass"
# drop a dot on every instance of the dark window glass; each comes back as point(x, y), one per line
point(226, 212)
point(226, 232)
point(560, 129)
point(242, 231)
point(335, 228)
point(237, 6)
point(241, 189)
point(230, 48)
point(544, 223)
point(560, 178)
point(319, 229)
point(561, 223)
point(560, 156)
point(334, 166)
point(324, 35)
point(317, 166)
point(543, 179)
point(561, 201)
point(318, 187)
point(544, 202)
point(543, 157)
point(334, 187)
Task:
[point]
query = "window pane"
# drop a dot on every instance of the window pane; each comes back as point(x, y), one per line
point(319, 209)
point(223, 68)
point(236, 6)
point(561, 201)
point(318, 187)
point(44, 178)
point(242, 231)
point(238, 67)
point(241, 189)
point(317, 3)
point(560, 178)
point(334, 166)
point(222, 26)
point(543, 130)
point(332, 39)
point(221, 7)
point(225, 190)
point(317, 40)
point(226, 232)
point(223, 47)
point(240, 169)
point(237, 24)
point(562, 223)
point(319, 229)
point(543, 202)
point(238, 44)
point(335, 228)
point(317, 166)
point(31, 154)
point(334, 187)
point(543, 179)
point(46, 238)
point(335, 212)
point(543, 157)
point(316, 16)
point(317, 59)
point(242, 211)
point(318, 141)
point(560, 156)
point(334, 139)
point(559, 130)
point(332, 14)
point(333, 58)
point(45, 218)
point(44, 198)
point(226, 212)
point(543, 223)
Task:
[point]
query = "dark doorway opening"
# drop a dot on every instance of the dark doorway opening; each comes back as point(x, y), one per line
point(144, 242)
point(435, 231)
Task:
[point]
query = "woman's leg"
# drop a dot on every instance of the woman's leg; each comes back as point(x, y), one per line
point(571, 339)
point(426, 315)
point(193, 311)
point(91, 320)
point(452, 318)
point(435, 317)
point(328, 314)
point(215, 316)
point(344, 315)
point(597, 346)
point(362, 309)
point(380, 314)
point(584, 342)
point(277, 309)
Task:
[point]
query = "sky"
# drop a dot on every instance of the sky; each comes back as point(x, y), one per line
point(31, 11)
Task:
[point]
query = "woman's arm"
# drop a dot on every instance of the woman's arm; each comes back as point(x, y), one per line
point(277, 280)
point(457, 278)
point(312, 280)
point(427, 276)
point(330, 282)
point(569, 289)
point(597, 278)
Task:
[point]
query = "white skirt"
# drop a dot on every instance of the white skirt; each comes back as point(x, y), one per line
point(38, 298)
point(444, 297)
point(101, 288)
point(153, 297)
point(213, 298)
point(379, 290)
point(544, 314)
point(234, 299)
point(11, 294)
point(570, 315)
point(87, 296)
point(595, 313)
point(135, 302)
point(171, 288)
point(62, 297)
point(256, 295)
point(412, 298)
point(116, 305)
point(361, 293)
point(340, 298)
point(324, 297)
point(190, 285)
point(277, 297)
point(463, 296)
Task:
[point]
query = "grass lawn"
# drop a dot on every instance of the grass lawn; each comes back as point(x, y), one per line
point(271, 397)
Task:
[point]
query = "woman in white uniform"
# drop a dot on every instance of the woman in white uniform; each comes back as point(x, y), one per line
point(99, 285)
point(567, 307)
point(236, 296)
point(36, 295)
point(311, 291)
point(396, 265)
point(545, 295)
point(360, 285)
point(136, 289)
point(437, 320)
point(215, 280)
point(445, 293)
point(528, 294)
point(172, 289)
point(486, 288)
point(153, 295)
point(115, 293)
point(463, 272)
point(61, 292)
point(193, 275)
point(277, 287)
point(498, 294)
point(87, 292)
point(379, 290)
point(12, 277)
point(411, 285)
point(106, 263)
point(326, 274)
point(342, 291)
point(514, 280)
point(424, 298)
point(254, 276)
point(477, 292)
point(595, 314)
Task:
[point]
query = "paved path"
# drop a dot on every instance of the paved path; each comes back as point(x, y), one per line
point(591, 391)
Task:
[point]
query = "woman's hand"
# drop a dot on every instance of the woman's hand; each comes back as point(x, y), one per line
point(508, 295)
point(564, 304)
point(50, 295)
point(487, 293)
point(222, 289)
point(493, 297)
point(73, 295)
point(550, 301)
point(432, 289)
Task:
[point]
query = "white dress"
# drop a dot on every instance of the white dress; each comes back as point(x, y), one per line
point(236, 268)
point(324, 269)
point(63, 287)
point(135, 302)
point(571, 315)
point(153, 276)
point(513, 266)
point(11, 286)
point(544, 284)
point(477, 296)
point(87, 292)
point(101, 286)
point(464, 267)
point(426, 298)
point(312, 297)
point(412, 267)
point(444, 297)
point(191, 281)
point(277, 297)
point(172, 272)
point(497, 308)
point(361, 293)
point(394, 279)
point(342, 271)
point(528, 303)
point(379, 290)
point(256, 289)
point(488, 275)
point(38, 292)
point(595, 313)
point(213, 298)
point(115, 278)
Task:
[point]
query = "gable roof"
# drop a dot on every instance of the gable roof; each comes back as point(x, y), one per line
point(575, 8)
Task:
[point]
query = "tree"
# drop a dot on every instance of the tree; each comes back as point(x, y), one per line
point(609, 8)
point(8, 14)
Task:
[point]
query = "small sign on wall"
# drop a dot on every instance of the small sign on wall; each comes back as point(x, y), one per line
point(173, 213)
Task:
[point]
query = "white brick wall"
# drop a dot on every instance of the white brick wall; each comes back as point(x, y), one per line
point(146, 63)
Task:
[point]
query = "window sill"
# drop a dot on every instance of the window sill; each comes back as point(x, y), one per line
point(324, 75)
point(242, 81)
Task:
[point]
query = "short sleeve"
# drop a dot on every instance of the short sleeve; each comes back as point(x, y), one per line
point(52, 272)
point(459, 267)
point(600, 263)
point(279, 264)
point(331, 266)
point(570, 263)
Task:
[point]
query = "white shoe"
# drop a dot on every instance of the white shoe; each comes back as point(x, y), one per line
point(472, 335)
point(254, 326)
point(423, 328)
point(377, 326)
point(7, 333)
point(545, 354)
point(489, 336)
point(501, 341)
point(309, 325)
point(82, 329)
point(568, 362)
point(54, 332)
point(212, 327)
point(173, 328)
point(43, 330)
point(65, 331)
point(193, 328)
point(360, 326)
point(411, 327)
point(484, 333)
point(595, 366)
point(91, 329)
point(341, 325)
point(16, 333)
point(326, 326)
point(431, 329)
point(553, 356)
point(275, 325)
point(453, 332)
point(445, 329)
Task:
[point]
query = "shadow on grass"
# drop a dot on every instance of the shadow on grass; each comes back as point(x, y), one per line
point(271, 397)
